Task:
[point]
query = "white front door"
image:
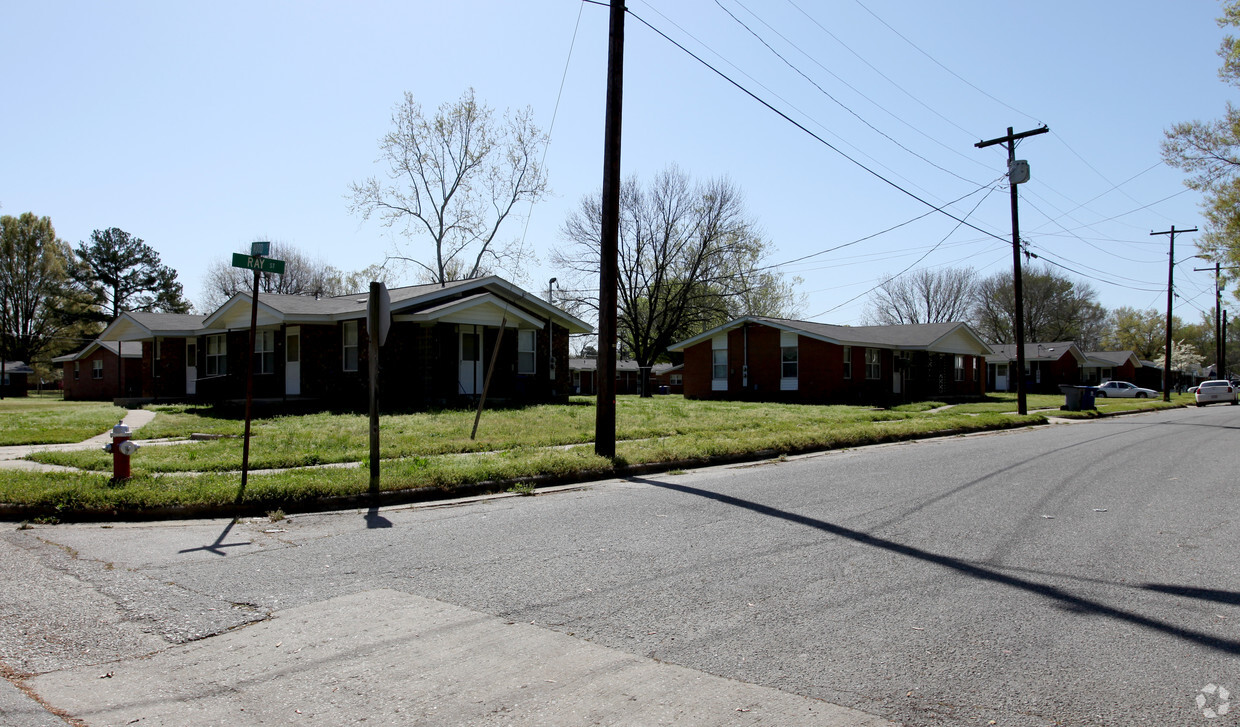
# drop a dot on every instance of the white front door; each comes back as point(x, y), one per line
point(292, 361)
point(1001, 382)
point(191, 368)
point(470, 360)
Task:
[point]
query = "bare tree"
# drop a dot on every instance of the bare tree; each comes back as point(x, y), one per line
point(689, 257)
point(1056, 309)
point(303, 275)
point(923, 296)
point(455, 178)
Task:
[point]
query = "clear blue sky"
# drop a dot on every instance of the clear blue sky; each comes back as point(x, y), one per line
point(200, 127)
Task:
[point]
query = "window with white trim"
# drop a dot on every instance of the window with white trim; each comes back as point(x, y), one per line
point(217, 355)
point(719, 363)
point(676, 380)
point(873, 363)
point(77, 370)
point(96, 369)
point(525, 351)
point(848, 362)
point(788, 360)
point(959, 368)
point(264, 351)
point(348, 344)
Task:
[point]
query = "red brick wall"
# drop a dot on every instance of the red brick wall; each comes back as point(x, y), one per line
point(85, 387)
point(820, 371)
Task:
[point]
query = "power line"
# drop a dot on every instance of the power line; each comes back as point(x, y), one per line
point(826, 93)
point(936, 62)
point(910, 267)
point(765, 88)
point(800, 126)
point(879, 233)
point(885, 77)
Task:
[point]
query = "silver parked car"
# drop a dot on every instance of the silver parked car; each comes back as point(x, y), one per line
point(1212, 392)
point(1124, 389)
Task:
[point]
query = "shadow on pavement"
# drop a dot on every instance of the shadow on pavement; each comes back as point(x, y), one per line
point(219, 544)
point(1063, 598)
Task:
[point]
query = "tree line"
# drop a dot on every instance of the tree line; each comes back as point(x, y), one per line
point(1057, 308)
point(55, 298)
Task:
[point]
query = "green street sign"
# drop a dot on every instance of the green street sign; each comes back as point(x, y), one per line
point(262, 264)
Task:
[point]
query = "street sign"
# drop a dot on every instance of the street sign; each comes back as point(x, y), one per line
point(384, 301)
point(262, 264)
point(260, 248)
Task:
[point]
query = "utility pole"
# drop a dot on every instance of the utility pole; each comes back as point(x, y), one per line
point(1170, 297)
point(605, 402)
point(1218, 316)
point(1018, 172)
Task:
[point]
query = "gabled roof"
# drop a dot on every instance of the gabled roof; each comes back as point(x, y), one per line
point(274, 309)
point(936, 337)
point(1113, 358)
point(128, 349)
point(1006, 352)
point(485, 309)
point(136, 326)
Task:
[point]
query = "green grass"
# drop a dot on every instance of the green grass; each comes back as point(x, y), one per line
point(513, 447)
point(48, 420)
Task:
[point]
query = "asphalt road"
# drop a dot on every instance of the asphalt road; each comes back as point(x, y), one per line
point(1077, 574)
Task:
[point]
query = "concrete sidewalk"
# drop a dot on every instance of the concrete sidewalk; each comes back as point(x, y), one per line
point(11, 456)
point(389, 658)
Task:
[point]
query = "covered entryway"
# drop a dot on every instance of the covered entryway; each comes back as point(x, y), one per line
point(191, 367)
point(292, 361)
point(470, 360)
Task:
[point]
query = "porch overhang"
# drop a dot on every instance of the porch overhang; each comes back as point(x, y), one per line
point(484, 309)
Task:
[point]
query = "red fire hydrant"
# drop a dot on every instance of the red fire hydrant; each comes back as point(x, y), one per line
point(121, 448)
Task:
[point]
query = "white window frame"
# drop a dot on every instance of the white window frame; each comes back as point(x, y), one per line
point(527, 345)
point(348, 345)
point(959, 367)
point(788, 346)
point(873, 364)
point(77, 370)
point(676, 379)
point(719, 363)
point(848, 362)
point(265, 351)
point(217, 354)
point(96, 369)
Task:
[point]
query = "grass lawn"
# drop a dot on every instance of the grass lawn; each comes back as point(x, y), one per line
point(433, 449)
point(48, 420)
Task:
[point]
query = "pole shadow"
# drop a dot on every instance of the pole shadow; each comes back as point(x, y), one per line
point(1059, 596)
point(375, 520)
point(219, 544)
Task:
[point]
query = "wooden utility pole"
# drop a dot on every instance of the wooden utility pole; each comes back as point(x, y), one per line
point(605, 406)
point(1170, 298)
point(1218, 315)
point(1018, 288)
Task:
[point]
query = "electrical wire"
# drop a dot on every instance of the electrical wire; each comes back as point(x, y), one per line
point(940, 65)
point(759, 84)
point(824, 142)
point(910, 267)
point(824, 91)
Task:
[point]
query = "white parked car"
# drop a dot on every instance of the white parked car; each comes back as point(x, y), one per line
point(1122, 389)
point(1212, 392)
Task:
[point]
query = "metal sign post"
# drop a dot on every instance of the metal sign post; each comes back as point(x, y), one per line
point(378, 321)
point(259, 264)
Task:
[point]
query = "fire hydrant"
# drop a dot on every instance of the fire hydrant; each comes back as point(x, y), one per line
point(121, 448)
